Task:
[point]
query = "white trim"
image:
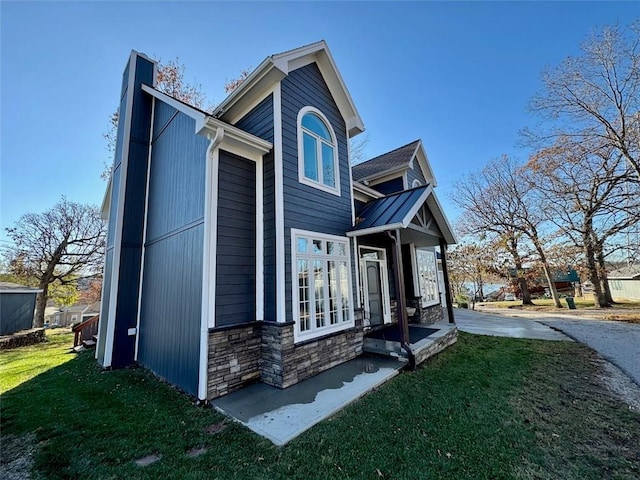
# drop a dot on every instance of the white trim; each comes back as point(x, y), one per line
point(384, 283)
point(405, 180)
point(436, 300)
point(369, 231)
point(279, 205)
point(117, 241)
point(208, 307)
point(356, 266)
point(414, 268)
point(344, 325)
point(235, 140)
point(195, 113)
point(368, 191)
point(353, 207)
point(250, 106)
point(416, 183)
point(259, 240)
point(21, 290)
point(334, 144)
point(144, 230)
point(132, 331)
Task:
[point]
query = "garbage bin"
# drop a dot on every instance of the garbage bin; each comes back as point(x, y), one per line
point(570, 303)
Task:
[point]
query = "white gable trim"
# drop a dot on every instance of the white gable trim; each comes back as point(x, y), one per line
point(273, 69)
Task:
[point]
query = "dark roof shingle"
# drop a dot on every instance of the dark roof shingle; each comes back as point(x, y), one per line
point(394, 159)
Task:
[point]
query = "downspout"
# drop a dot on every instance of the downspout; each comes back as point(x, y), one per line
point(400, 294)
point(445, 277)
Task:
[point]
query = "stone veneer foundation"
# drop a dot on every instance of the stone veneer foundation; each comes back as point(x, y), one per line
point(265, 351)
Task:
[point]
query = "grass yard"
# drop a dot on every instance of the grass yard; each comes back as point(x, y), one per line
point(485, 408)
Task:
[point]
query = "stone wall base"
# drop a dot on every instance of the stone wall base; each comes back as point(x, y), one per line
point(266, 351)
point(22, 338)
point(438, 344)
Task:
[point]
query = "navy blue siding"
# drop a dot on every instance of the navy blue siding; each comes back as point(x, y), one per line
point(16, 312)
point(171, 308)
point(415, 173)
point(236, 241)
point(390, 186)
point(306, 207)
point(170, 315)
point(259, 122)
point(133, 217)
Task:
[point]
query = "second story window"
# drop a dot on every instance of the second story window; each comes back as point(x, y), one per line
point(317, 152)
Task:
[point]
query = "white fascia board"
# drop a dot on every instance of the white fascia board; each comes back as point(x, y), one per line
point(416, 206)
point(106, 200)
point(385, 175)
point(235, 140)
point(197, 115)
point(425, 166)
point(372, 230)
point(25, 290)
point(441, 219)
point(369, 192)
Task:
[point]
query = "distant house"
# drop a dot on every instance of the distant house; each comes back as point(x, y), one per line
point(17, 306)
point(66, 316)
point(243, 247)
point(625, 283)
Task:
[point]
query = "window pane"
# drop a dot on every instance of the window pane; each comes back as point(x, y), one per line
point(331, 248)
point(303, 245)
point(310, 160)
point(313, 123)
point(342, 249)
point(333, 293)
point(328, 166)
point(427, 275)
point(317, 246)
point(318, 273)
point(344, 290)
point(303, 295)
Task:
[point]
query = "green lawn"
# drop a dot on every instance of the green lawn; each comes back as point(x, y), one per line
point(485, 408)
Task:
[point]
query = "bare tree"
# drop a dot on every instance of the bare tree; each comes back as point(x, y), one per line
point(595, 97)
point(170, 80)
point(590, 196)
point(231, 85)
point(357, 147)
point(56, 247)
point(498, 200)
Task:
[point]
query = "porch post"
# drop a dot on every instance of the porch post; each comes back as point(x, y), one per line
point(400, 294)
point(445, 275)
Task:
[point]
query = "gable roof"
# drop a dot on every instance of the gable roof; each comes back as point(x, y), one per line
point(275, 67)
point(390, 161)
point(632, 272)
point(398, 160)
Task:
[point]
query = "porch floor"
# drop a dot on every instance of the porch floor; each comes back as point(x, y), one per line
point(425, 340)
point(281, 415)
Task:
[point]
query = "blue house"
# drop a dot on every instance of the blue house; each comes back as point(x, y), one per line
point(243, 247)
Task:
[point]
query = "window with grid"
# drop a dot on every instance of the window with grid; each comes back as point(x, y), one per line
point(427, 277)
point(322, 286)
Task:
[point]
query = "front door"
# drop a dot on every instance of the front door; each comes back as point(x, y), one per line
point(375, 285)
point(374, 291)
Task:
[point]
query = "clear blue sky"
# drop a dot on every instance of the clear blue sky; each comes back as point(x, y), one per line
point(457, 75)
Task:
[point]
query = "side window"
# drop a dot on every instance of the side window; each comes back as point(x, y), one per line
point(317, 152)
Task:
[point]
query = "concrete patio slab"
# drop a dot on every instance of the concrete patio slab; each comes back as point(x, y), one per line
point(282, 415)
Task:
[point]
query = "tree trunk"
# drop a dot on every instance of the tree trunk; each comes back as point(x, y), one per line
point(602, 275)
point(522, 281)
point(41, 304)
point(547, 271)
point(598, 296)
point(524, 289)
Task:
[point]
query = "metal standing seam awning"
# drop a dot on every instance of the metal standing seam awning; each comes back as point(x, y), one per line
point(394, 213)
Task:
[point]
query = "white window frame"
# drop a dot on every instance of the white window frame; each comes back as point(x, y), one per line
point(74, 318)
point(416, 183)
point(334, 143)
point(384, 280)
point(417, 279)
point(314, 331)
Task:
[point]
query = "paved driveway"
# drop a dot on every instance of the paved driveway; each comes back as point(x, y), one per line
point(482, 323)
point(618, 342)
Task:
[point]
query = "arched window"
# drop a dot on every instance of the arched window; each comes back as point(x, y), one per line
point(317, 151)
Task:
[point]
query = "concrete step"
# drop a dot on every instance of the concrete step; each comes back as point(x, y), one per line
point(88, 343)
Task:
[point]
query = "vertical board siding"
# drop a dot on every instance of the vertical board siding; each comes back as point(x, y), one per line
point(306, 207)
point(16, 312)
point(171, 305)
point(177, 177)
point(259, 122)
point(170, 311)
point(236, 241)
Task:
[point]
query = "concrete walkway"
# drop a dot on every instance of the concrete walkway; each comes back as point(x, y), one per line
point(281, 415)
point(481, 323)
